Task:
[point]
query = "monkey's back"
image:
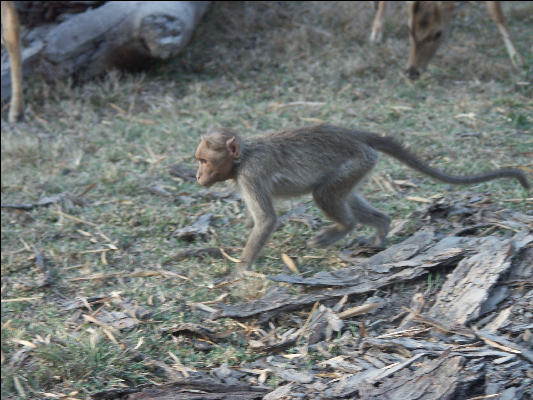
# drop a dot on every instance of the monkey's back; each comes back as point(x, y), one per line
point(297, 161)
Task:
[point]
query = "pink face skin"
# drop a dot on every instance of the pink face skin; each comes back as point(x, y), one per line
point(216, 165)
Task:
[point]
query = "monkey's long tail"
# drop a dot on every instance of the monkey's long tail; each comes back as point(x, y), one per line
point(392, 148)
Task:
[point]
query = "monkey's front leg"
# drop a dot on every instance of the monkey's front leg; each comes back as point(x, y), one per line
point(260, 206)
point(257, 240)
point(249, 221)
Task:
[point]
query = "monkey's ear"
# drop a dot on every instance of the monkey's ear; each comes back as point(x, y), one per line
point(234, 147)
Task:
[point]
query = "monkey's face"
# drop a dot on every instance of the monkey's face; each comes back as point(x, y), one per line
point(214, 164)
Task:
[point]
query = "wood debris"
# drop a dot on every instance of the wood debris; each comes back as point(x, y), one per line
point(197, 229)
point(461, 328)
point(194, 388)
point(201, 252)
point(66, 199)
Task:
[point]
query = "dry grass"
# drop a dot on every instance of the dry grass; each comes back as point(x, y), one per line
point(470, 112)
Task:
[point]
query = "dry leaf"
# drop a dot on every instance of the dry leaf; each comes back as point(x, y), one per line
point(263, 376)
point(110, 336)
point(418, 199)
point(255, 344)
point(26, 343)
point(292, 356)
point(403, 182)
point(90, 318)
point(352, 312)
point(226, 255)
point(139, 343)
point(313, 120)
point(279, 393)
point(19, 387)
point(290, 263)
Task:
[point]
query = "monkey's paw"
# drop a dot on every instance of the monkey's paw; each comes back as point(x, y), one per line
point(369, 242)
point(326, 237)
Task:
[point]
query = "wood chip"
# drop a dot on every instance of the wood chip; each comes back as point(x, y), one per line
point(73, 218)
point(365, 308)
point(418, 199)
point(19, 299)
point(227, 256)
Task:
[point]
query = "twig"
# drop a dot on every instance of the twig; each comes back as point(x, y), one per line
point(308, 320)
point(488, 396)
point(226, 255)
point(200, 252)
point(417, 304)
point(489, 338)
point(136, 274)
point(458, 329)
point(225, 283)
point(90, 318)
point(47, 201)
point(504, 344)
point(19, 387)
point(365, 308)
point(18, 299)
point(39, 260)
point(95, 251)
point(179, 365)
point(87, 190)
point(403, 333)
point(298, 103)
point(151, 363)
point(73, 218)
point(44, 202)
point(393, 368)
point(527, 200)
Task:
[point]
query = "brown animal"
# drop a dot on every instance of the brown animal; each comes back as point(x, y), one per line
point(324, 160)
point(428, 23)
point(11, 38)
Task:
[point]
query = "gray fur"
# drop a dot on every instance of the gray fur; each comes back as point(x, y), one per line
point(328, 162)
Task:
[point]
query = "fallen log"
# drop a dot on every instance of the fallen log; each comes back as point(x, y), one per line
point(184, 389)
point(352, 281)
point(439, 379)
point(118, 34)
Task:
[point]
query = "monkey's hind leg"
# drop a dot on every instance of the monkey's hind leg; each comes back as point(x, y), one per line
point(368, 215)
point(337, 209)
point(335, 197)
point(333, 201)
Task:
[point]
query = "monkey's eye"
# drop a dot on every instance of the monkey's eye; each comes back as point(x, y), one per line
point(202, 161)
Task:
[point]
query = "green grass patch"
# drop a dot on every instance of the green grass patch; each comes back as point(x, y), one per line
point(470, 112)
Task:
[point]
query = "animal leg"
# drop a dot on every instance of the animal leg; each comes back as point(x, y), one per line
point(368, 215)
point(377, 26)
point(333, 198)
point(339, 212)
point(495, 11)
point(11, 36)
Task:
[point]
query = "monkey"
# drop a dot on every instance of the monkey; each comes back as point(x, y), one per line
point(324, 160)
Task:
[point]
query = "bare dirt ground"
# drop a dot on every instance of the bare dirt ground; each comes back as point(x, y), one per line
point(111, 274)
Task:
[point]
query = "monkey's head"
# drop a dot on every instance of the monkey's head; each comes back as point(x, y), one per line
point(216, 154)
